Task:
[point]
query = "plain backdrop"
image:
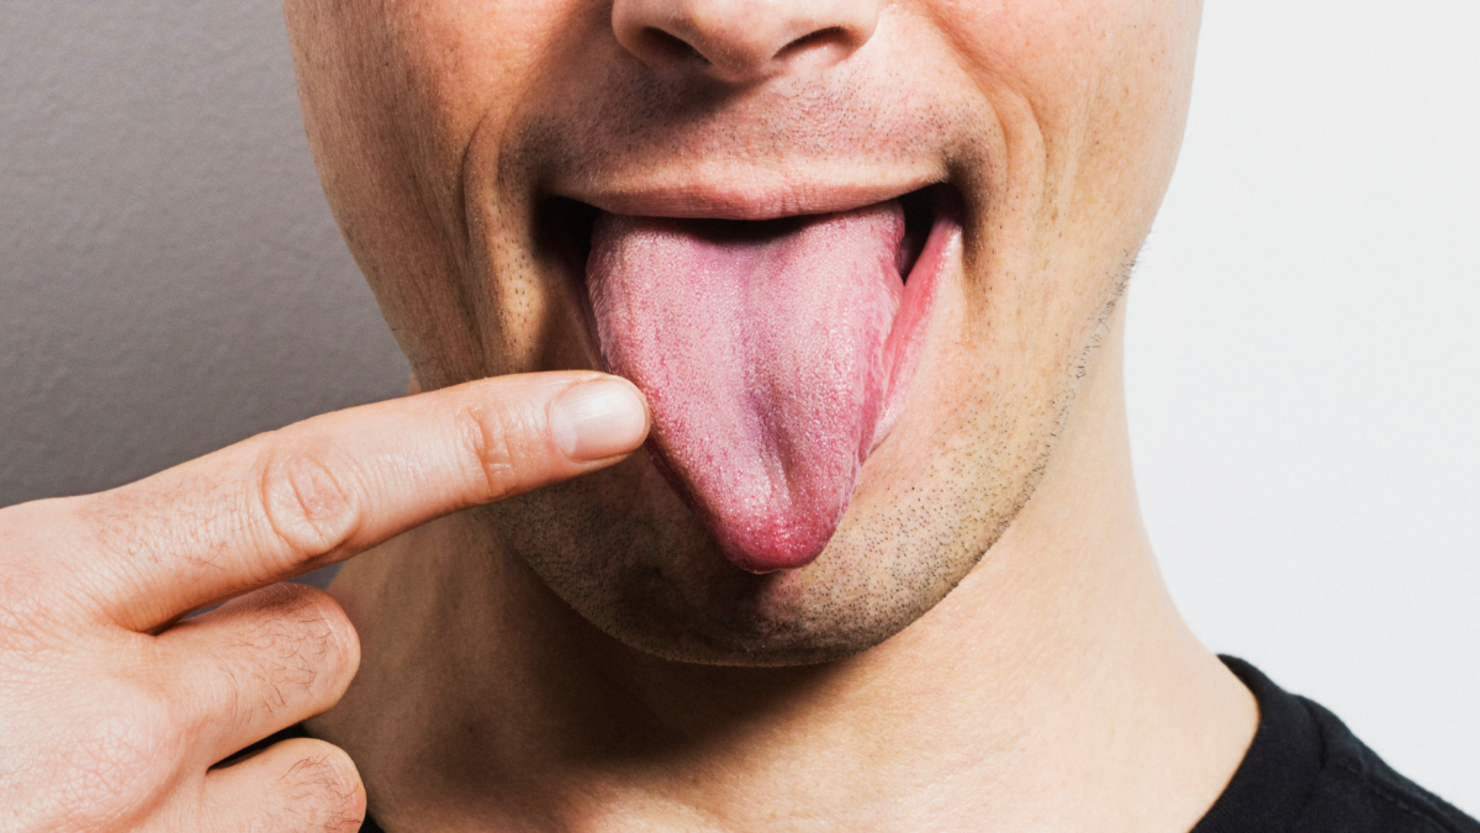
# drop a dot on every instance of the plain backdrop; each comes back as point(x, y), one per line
point(1303, 371)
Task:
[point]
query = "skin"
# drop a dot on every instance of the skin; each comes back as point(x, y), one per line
point(986, 643)
point(439, 143)
point(117, 715)
point(988, 608)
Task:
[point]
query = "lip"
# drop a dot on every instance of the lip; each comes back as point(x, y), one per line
point(761, 195)
point(566, 216)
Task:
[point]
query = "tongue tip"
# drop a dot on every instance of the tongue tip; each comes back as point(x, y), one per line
point(783, 546)
point(773, 559)
point(763, 536)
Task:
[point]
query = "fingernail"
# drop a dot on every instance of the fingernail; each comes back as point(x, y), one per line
point(597, 419)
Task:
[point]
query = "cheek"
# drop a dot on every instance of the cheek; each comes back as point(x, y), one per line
point(1090, 99)
point(1102, 85)
point(405, 103)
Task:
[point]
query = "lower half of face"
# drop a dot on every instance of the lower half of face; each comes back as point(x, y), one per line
point(857, 264)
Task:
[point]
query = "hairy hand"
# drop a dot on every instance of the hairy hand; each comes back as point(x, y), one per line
point(114, 713)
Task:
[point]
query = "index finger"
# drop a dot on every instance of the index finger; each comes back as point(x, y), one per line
point(285, 502)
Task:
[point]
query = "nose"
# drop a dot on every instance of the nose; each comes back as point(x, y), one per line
point(743, 41)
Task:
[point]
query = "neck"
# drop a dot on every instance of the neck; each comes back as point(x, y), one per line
point(1055, 688)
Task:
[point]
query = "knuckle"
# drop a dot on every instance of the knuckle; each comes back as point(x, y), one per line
point(296, 641)
point(322, 789)
point(500, 440)
point(308, 500)
point(318, 632)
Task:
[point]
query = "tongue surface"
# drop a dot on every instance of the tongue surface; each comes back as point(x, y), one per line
point(760, 347)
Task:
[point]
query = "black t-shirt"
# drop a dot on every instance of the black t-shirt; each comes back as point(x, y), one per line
point(1306, 772)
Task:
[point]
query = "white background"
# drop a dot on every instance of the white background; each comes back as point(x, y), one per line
point(1303, 366)
point(1303, 370)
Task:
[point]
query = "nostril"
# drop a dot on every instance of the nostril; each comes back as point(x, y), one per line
point(743, 41)
point(824, 37)
point(670, 47)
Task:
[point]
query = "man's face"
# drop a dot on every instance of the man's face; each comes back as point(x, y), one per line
point(850, 408)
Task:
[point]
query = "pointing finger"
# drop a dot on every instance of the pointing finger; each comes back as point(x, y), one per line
point(282, 503)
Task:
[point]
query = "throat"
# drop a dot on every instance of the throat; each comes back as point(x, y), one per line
point(485, 704)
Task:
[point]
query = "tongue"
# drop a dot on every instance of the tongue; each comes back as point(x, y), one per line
point(761, 348)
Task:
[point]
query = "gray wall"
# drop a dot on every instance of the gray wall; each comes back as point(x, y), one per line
point(170, 278)
point(1302, 361)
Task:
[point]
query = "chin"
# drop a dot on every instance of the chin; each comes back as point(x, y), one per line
point(633, 559)
point(661, 584)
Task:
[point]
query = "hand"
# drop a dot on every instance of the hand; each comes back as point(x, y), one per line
point(113, 712)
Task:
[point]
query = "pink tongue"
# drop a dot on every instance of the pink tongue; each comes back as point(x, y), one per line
point(761, 349)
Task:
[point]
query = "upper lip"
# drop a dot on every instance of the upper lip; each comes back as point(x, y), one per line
point(755, 196)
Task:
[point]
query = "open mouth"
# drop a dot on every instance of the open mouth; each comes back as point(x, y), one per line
point(776, 354)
